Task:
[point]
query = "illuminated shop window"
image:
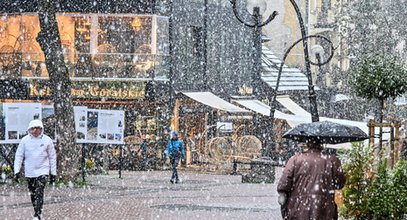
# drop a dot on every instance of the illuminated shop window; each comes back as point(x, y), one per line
point(94, 46)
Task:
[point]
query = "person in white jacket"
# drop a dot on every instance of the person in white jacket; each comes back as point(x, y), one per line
point(37, 152)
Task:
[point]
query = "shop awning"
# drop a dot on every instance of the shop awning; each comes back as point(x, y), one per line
point(291, 106)
point(261, 108)
point(209, 99)
point(293, 120)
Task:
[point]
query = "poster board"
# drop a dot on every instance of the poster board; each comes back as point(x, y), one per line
point(49, 121)
point(80, 113)
point(91, 125)
point(105, 126)
point(15, 118)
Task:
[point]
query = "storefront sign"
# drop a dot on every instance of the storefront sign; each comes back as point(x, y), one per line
point(90, 89)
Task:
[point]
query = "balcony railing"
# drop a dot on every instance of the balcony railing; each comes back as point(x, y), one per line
point(99, 66)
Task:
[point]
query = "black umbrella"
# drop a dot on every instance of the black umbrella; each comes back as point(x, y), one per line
point(325, 132)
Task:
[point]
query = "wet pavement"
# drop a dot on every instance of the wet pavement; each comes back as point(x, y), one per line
point(149, 195)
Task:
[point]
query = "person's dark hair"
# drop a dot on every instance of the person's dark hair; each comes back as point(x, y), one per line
point(314, 144)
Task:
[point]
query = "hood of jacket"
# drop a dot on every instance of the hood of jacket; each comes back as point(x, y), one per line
point(35, 123)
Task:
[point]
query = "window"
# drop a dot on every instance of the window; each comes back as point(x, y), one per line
point(197, 39)
point(94, 45)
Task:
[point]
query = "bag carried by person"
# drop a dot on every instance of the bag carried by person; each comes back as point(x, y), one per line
point(176, 151)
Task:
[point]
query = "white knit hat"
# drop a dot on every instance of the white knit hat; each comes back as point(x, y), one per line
point(35, 123)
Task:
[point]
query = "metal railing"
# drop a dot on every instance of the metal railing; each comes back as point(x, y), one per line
point(122, 66)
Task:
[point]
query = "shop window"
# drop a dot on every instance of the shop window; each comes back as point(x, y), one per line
point(94, 45)
point(197, 41)
point(146, 124)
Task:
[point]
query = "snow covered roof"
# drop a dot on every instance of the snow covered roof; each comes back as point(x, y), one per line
point(291, 78)
point(261, 108)
point(210, 99)
point(291, 106)
point(340, 97)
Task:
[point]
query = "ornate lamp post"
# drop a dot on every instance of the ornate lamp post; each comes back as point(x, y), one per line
point(311, 92)
point(308, 62)
point(256, 22)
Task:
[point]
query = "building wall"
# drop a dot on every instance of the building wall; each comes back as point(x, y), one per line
point(229, 46)
point(319, 18)
point(153, 96)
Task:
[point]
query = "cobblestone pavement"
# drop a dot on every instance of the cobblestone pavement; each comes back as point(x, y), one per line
point(149, 195)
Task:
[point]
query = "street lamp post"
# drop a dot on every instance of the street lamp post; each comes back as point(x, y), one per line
point(256, 23)
point(311, 92)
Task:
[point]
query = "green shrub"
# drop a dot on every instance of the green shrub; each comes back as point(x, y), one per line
point(399, 187)
point(356, 166)
point(366, 196)
point(90, 164)
point(6, 169)
point(380, 197)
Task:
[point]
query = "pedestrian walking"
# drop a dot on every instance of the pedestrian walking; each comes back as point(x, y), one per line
point(176, 151)
point(37, 152)
point(307, 186)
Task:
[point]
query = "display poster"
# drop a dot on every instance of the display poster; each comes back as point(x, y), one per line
point(80, 113)
point(91, 125)
point(105, 126)
point(15, 120)
point(49, 121)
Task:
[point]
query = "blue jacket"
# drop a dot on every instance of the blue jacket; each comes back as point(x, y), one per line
point(175, 147)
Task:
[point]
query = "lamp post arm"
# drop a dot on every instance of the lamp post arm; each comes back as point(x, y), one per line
point(269, 19)
point(311, 91)
point(234, 7)
point(280, 70)
point(257, 23)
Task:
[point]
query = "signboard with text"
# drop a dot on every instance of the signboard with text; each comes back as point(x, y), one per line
point(91, 125)
point(15, 118)
point(104, 126)
point(92, 89)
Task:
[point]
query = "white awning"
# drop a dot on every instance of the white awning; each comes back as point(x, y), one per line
point(291, 106)
point(209, 99)
point(294, 120)
point(261, 108)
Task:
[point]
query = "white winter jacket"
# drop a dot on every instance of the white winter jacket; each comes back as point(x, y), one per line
point(38, 154)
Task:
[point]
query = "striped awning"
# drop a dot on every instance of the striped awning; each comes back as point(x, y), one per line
point(291, 79)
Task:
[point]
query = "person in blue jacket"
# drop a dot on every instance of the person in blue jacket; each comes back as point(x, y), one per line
point(176, 151)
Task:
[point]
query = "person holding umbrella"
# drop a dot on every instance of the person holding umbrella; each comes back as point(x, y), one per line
point(306, 188)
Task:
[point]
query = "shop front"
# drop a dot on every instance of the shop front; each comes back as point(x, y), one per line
point(116, 61)
point(202, 117)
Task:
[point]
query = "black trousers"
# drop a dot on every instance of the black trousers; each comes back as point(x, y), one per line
point(36, 186)
point(174, 163)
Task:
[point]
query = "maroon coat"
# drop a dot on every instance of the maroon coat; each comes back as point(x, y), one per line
point(309, 180)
